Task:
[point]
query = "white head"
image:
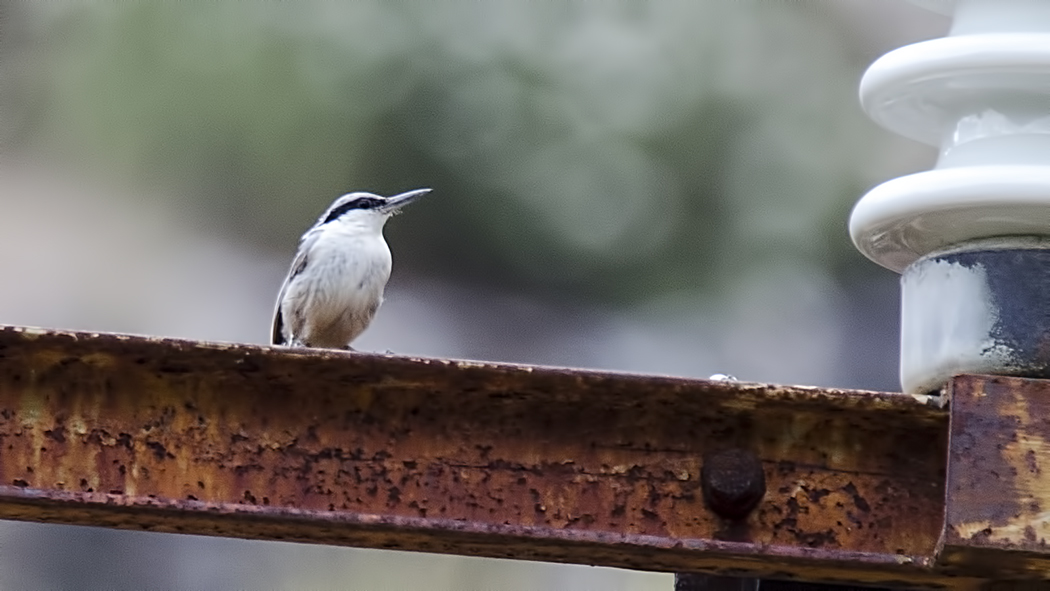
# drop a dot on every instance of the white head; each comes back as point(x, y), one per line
point(367, 209)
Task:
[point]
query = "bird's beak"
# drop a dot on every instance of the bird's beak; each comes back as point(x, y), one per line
point(395, 203)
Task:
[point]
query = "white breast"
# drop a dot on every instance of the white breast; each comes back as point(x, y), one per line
point(334, 298)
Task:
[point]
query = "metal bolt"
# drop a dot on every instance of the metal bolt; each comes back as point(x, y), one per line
point(733, 482)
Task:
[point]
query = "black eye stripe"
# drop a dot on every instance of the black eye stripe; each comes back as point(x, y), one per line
point(359, 203)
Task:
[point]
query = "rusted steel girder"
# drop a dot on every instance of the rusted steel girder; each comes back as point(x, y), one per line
point(998, 503)
point(472, 458)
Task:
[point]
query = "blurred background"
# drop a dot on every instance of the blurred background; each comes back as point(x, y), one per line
point(650, 186)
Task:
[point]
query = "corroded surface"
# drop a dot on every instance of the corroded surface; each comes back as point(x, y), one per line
point(464, 458)
point(998, 508)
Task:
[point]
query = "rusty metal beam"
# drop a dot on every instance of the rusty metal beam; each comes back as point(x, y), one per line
point(998, 504)
point(469, 458)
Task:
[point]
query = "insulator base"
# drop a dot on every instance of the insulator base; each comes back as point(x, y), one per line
point(981, 307)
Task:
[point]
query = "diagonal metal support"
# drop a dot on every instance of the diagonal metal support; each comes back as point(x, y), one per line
point(471, 458)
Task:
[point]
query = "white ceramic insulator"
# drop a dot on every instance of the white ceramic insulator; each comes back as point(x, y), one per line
point(981, 95)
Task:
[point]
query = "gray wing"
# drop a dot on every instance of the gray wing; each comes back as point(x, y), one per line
point(298, 264)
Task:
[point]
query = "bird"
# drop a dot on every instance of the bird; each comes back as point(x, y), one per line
point(337, 278)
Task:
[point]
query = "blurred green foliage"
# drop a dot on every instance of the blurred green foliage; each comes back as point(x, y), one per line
point(609, 151)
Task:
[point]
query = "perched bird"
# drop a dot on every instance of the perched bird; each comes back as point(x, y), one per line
point(337, 278)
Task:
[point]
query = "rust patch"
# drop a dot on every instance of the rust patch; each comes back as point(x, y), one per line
point(1000, 439)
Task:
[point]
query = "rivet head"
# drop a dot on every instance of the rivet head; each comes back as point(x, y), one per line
point(733, 482)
